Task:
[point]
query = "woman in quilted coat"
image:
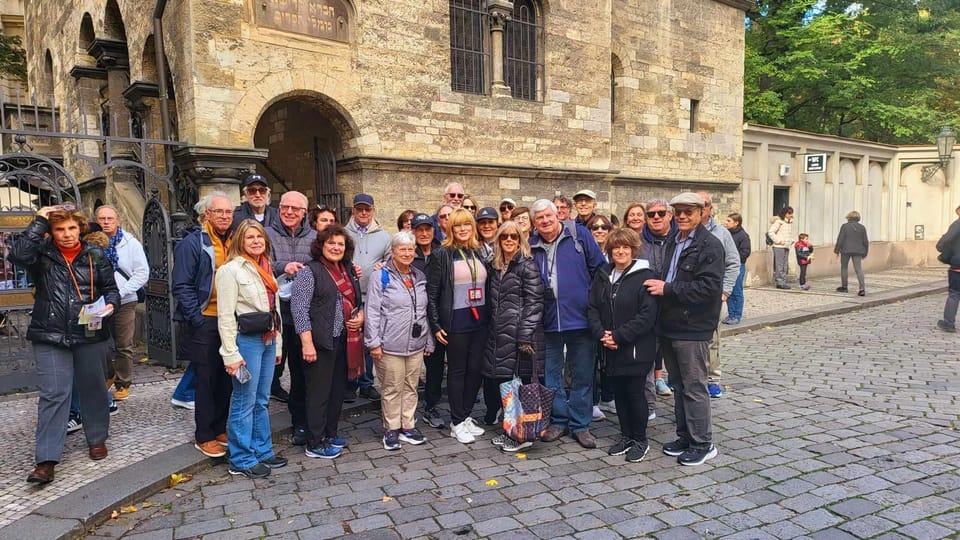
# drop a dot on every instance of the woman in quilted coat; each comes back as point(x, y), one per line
point(515, 340)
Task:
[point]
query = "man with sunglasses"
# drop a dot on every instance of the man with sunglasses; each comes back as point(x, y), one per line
point(454, 194)
point(256, 205)
point(690, 286)
point(372, 246)
point(658, 229)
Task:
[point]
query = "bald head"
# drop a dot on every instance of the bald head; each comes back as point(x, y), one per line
point(109, 219)
point(293, 210)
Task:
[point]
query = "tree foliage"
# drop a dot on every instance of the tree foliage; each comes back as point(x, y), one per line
point(13, 59)
point(882, 70)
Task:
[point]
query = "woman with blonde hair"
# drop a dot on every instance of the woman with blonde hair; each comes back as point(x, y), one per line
point(248, 318)
point(458, 316)
point(515, 340)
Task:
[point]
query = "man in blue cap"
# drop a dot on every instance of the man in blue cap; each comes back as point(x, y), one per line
point(256, 205)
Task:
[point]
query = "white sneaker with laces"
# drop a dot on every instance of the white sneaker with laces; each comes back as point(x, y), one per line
point(598, 414)
point(461, 432)
point(472, 426)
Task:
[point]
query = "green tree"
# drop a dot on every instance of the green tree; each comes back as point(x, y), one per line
point(13, 59)
point(883, 70)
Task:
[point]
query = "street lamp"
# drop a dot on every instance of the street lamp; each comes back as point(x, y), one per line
point(945, 141)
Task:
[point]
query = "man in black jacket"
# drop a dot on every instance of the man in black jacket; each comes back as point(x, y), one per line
point(949, 248)
point(691, 289)
point(256, 205)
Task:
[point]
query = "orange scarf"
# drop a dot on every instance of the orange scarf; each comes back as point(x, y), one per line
point(266, 275)
point(220, 257)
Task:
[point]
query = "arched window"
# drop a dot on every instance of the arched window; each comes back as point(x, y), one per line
point(522, 67)
point(467, 46)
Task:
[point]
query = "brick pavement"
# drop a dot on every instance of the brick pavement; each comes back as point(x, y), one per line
point(843, 427)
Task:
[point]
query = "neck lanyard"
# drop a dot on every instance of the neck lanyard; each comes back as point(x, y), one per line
point(473, 269)
point(411, 288)
point(76, 285)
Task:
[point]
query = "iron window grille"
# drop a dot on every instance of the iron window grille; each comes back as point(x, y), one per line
point(468, 46)
point(522, 67)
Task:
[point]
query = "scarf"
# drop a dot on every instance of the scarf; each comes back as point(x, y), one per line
point(111, 252)
point(270, 283)
point(355, 363)
point(220, 256)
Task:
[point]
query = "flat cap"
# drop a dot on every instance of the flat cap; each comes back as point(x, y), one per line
point(687, 198)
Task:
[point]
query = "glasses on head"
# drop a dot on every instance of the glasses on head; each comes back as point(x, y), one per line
point(221, 211)
point(685, 211)
point(657, 213)
point(256, 190)
point(601, 228)
point(288, 208)
point(510, 236)
point(456, 195)
point(469, 207)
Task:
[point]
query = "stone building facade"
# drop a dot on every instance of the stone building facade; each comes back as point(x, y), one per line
point(519, 98)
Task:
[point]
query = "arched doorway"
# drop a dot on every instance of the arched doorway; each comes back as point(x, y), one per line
point(306, 135)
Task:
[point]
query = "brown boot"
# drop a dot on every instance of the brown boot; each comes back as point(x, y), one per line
point(43, 474)
point(98, 451)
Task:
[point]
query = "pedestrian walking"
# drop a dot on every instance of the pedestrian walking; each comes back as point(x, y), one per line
point(68, 274)
point(804, 251)
point(248, 319)
point(852, 245)
point(397, 336)
point(622, 315)
point(515, 340)
point(949, 248)
point(781, 234)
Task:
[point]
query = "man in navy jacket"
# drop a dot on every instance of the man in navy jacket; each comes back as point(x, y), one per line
point(690, 292)
point(567, 256)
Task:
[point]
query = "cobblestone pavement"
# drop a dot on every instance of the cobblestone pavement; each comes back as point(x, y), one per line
point(842, 427)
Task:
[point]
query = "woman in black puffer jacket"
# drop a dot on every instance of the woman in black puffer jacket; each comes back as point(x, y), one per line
point(67, 273)
point(515, 340)
point(622, 315)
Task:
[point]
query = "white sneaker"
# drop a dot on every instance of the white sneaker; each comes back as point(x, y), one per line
point(461, 432)
point(598, 414)
point(189, 405)
point(472, 426)
point(652, 415)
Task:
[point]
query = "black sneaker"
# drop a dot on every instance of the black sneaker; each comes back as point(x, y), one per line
point(946, 327)
point(412, 436)
point(275, 462)
point(299, 437)
point(432, 417)
point(114, 409)
point(370, 393)
point(350, 396)
point(391, 439)
point(74, 424)
point(637, 452)
point(620, 447)
point(257, 471)
point(676, 447)
point(280, 395)
point(696, 456)
point(841, 289)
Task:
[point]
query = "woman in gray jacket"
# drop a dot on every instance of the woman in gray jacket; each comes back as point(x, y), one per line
point(398, 337)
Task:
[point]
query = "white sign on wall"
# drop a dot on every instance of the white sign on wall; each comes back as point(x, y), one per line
point(814, 163)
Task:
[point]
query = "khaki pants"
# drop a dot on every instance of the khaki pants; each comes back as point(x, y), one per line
point(398, 377)
point(125, 320)
point(713, 372)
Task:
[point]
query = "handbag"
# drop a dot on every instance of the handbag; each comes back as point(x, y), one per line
point(526, 407)
point(257, 322)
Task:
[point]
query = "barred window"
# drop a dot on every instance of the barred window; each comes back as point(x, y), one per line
point(521, 54)
point(467, 46)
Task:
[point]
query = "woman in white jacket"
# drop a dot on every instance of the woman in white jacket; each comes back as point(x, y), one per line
point(248, 318)
point(781, 232)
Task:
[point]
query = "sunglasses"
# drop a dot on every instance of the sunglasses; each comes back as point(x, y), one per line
point(509, 236)
point(505, 207)
point(469, 207)
point(601, 228)
point(456, 195)
point(686, 211)
point(658, 213)
point(256, 190)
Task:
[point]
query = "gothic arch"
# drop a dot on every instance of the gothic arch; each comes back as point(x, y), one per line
point(113, 27)
point(87, 34)
point(148, 61)
point(46, 87)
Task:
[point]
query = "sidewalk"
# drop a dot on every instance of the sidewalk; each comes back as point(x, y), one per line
point(150, 440)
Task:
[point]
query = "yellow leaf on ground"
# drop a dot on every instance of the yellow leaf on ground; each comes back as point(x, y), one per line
point(521, 455)
point(147, 504)
point(492, 482)
point(179, 478)
point(144, 360)
point(128, 509)
point(386, 498)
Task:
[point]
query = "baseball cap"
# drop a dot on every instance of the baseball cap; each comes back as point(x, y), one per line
point(421, 219)
point(508, 200)
point(585, 193)
point(487, 212)
point(362, 198)
point(254, 179)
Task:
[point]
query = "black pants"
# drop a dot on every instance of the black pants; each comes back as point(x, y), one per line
point(464, 361)
point(632, 409)
point(293, 351)
point(491, 398)
point(213, 384)
point(325, 384)
point(803, 274)
point(602, 387)
point(433, 391)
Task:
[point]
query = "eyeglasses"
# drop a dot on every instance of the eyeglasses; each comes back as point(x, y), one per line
point(601, 228)
point(686, 211)
point(509, 236)
point(658, 213)
point(443, 216)
point(469, 207)
point(294, 209)
point(456, 195)
point(221, 211)
point(256, 190)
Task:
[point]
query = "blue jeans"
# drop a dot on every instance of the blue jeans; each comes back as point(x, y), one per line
point(248, 426)
point(365, 380)
point(571, 409)
point(186, 389)
point(735, 300)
